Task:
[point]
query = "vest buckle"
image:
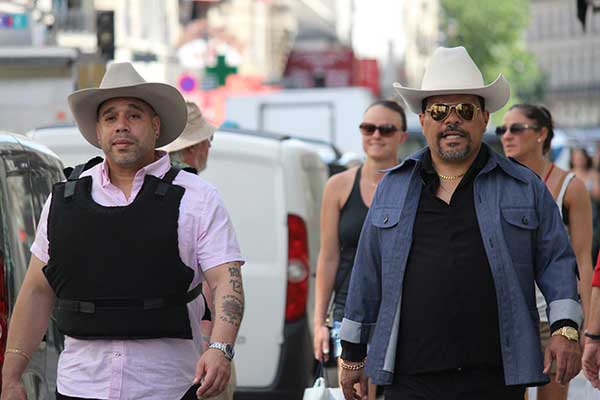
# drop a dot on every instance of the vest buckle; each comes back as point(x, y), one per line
point(86, 307)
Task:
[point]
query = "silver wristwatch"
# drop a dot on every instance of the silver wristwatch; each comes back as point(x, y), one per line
point(226, 348)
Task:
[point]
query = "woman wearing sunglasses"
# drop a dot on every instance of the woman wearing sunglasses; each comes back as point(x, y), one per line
point(526, 135)
point(346, 200)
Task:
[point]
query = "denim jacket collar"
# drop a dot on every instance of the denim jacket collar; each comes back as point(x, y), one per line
point(495, 160)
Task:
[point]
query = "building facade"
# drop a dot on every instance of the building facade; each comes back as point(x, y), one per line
point(422, 32)
point(569, 57)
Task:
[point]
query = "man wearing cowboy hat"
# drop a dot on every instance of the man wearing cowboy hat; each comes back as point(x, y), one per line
point(120, 254)
point(443, 283)
point(190, 152)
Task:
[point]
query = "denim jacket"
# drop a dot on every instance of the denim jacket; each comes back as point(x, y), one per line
point(525, 242)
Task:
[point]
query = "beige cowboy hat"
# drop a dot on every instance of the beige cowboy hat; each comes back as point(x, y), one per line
point(122, 80)
point(453, 71)
point(196, 130)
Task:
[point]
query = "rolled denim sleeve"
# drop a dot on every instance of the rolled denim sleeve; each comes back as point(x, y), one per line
point(555, 262)
point(364, 293)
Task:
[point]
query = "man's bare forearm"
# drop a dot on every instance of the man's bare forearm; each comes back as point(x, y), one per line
point(29, 320)
point(228, 297)
point(593, 325)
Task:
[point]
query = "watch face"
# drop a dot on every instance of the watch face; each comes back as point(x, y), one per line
point(571, 334)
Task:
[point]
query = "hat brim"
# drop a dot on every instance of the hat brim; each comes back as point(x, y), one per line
point(496, 94)
point(166, 101)
point(182, 142)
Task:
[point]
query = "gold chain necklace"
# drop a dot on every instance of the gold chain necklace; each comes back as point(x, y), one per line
point(451, 177)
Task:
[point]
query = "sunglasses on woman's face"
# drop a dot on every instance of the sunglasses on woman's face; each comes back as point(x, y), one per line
point(514, 128)
point(440, 111)
point(368, 129)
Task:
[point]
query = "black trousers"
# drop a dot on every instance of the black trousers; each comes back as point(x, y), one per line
point(189, 395)
point(467, 384)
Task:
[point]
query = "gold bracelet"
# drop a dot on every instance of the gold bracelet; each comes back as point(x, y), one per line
point(19, 352)
point(353, 367)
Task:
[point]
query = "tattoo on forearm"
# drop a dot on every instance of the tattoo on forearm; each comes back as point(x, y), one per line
point(235, 280)
point(235, 272)
point(236, 286)
point(233, 310)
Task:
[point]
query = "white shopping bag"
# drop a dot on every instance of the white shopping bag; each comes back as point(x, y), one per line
point(586, 392)
point(320, 391)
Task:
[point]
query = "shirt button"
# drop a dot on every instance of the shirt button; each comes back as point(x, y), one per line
point(525, 221)
point(385, 220)
point(459, 369)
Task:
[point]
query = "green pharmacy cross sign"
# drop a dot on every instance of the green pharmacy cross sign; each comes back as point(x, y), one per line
point(220, 71)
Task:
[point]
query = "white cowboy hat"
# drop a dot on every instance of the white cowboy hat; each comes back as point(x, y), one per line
point(196, 130)
point(452, 71)
point(122, 80)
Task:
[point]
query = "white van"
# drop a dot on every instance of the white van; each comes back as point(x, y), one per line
point(329, 114)
point(272, 187)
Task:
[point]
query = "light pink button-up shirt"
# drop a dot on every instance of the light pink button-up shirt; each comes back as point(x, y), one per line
point(151, 369)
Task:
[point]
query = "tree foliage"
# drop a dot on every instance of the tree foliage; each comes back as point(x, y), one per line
point(492, 31)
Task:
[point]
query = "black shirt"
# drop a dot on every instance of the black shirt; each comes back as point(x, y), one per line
point(449, 312)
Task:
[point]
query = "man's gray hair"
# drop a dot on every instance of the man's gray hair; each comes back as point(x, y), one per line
point(177, 156)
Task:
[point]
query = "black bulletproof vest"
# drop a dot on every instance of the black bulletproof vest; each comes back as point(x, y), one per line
point(116, 271)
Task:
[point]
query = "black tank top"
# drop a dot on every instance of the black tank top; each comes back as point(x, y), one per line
point(352, 217)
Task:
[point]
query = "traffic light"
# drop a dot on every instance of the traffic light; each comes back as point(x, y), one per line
point(105, 33)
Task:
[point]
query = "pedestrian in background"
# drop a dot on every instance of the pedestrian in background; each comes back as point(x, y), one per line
point(346, 200)
point(191, 148)
point(591, 353)
point(190, 152)
point(443, 282)
point(526, 136)
point(583, 167)
point(120, 253)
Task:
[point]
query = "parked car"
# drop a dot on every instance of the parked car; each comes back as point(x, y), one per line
point(27, 172)
point(272, 187)
point(67, 142)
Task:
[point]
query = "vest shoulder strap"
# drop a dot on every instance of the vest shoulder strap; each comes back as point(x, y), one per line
point(166, 181)
point(73, 174)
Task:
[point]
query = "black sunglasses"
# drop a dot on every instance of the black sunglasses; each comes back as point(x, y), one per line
point(514, 128)
point(368, 129)
point(440, 111)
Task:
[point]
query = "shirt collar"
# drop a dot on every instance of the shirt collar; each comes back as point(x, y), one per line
point(428, 172)
point(157, 168)
point(494, 160)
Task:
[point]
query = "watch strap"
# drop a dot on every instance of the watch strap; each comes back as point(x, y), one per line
point(225, 348)
point(568, 332)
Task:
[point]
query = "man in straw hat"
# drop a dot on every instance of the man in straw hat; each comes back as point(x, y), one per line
point(190, 152)
point(120, 254)
point(191, 148)
point(443, 283)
